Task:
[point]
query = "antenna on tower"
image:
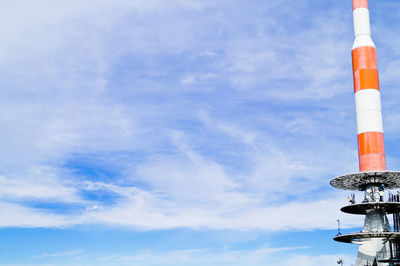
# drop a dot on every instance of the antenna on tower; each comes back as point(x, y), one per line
point(338, 229)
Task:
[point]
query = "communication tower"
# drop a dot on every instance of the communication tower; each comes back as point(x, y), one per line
point(378, 244)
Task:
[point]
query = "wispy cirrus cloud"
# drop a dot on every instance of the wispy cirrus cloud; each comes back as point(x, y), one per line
point(71, 253)
point(163, 117)
point(203, 117)
point(225, 256)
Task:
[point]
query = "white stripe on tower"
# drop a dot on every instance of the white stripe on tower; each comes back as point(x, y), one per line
point(371, 149)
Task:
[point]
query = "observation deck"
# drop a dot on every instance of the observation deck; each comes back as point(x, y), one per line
point(359, 180)
point(357, 238)
point(364, 208)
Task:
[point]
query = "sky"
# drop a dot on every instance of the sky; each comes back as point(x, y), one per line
point(182, 132)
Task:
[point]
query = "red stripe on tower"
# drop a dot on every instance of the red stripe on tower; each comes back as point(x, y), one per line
point(360, 3)
point(371, 148)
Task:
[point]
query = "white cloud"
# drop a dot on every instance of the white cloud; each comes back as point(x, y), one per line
point(181, 114)
point(211, 119)
point(147, 212)
point(42, 184)
point(71, 253)
point(15, 215)
point(263, 256)
point(239, 257)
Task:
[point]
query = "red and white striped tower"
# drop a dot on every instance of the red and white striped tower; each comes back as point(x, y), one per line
point(371, 149)
point(378, 244)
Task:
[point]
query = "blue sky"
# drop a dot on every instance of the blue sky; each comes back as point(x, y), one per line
point(182, 132)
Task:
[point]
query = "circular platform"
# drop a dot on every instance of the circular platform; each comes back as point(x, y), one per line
point(364, 208)
point(358, 181)
point(358, 237)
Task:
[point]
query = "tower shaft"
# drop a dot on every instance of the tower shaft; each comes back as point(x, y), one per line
point(371, 149)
